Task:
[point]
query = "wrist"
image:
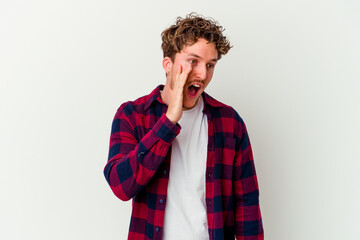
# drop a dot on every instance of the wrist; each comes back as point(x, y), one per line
point(173, 119)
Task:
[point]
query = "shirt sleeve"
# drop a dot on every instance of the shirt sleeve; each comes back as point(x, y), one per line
point(132, 162)
point(248, 220)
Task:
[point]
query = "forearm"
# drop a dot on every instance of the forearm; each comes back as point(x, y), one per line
point(248, 220)
point(134, 163)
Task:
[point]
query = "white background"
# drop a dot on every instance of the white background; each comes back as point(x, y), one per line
point(65, 66)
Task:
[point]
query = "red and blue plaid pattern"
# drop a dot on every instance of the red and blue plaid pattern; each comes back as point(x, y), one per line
point(139, 164)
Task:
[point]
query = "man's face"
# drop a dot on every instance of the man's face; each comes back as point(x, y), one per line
point(203, 57)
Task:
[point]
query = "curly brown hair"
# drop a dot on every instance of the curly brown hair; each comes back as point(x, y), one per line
point(186, 31)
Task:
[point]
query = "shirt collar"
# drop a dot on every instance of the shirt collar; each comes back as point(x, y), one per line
point(155, 96)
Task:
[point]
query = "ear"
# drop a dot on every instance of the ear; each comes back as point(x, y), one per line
point(167, 64)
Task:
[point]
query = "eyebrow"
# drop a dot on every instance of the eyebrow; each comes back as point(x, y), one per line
point(197, 56)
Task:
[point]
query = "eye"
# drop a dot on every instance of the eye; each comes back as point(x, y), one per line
point(210, 66)
point(192, 61)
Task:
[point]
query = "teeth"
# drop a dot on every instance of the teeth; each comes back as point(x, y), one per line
point(196, 85)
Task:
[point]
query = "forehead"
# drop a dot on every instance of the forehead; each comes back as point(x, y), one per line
point(202, 48)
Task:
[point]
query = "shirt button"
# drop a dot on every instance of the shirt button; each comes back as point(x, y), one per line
point(209, 174)
point(157, 229)
point(165, 172)
point(161, 201)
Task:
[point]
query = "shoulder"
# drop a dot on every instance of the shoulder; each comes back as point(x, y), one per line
point(138, 105)
point(132, 105)
point(143, 103)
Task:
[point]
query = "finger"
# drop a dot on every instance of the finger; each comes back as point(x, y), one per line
point(179, 71)
point(185, 74)
point(188, 68)
point(177, 76)
point(174, 79)
point(181, 76)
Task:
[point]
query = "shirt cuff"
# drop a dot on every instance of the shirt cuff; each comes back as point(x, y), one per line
point(166, 130)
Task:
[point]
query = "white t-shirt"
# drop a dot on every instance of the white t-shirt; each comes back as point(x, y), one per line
point(185, 212)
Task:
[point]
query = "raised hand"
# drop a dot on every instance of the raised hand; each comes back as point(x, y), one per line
point(175, 107)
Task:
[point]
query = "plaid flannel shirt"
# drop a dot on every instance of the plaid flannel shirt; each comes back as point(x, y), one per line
point(139, 164)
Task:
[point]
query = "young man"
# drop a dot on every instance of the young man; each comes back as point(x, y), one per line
point(183, 157)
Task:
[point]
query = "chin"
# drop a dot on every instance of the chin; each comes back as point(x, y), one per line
point(189, 104)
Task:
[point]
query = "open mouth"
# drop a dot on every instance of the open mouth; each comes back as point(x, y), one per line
point(193, 89)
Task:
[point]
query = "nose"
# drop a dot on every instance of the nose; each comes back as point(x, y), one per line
point(200, 72)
